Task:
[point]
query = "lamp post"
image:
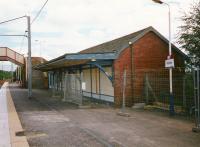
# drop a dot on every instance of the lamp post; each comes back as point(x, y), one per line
point(170, 55)
point(40, 46)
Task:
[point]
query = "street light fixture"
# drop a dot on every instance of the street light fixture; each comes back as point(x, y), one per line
point(170, 55)
point(41, 46)
point(158, 1)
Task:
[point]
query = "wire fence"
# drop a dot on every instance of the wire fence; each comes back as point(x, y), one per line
point(73, 88)
point(147, 86)
point(151, 87)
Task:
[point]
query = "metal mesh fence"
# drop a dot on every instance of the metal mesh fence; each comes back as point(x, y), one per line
point(56, 85)
point(73, 88)
point(149, 86)
point(152, 88)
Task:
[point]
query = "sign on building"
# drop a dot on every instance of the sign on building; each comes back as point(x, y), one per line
point(83, 86)
point(169, 63)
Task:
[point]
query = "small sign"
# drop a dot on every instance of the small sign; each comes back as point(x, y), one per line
point(83, 86)
point(169, 63)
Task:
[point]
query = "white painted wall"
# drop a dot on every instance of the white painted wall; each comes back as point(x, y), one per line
point(105, 91)
point(86, 80)
point(106, 85)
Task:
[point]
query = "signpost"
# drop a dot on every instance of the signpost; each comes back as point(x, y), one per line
point(169, 63)
point(197, 100)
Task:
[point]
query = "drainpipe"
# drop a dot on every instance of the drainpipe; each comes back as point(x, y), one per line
point(91, 80)
point(132, 62)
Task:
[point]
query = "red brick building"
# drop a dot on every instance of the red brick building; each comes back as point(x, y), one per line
point(39, 79)
point(102, 67)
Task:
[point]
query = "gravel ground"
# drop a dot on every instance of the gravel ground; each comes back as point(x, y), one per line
point(48, 122)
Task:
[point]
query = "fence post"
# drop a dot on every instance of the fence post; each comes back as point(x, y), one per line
point(197, 99)
point(124, 90)
point(64, 90)
point(146, 89)
point(81, 91)
point(184, 95)
point(123, 113)
point(54, 85)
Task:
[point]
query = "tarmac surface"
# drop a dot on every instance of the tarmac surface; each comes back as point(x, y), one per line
point(48, 122)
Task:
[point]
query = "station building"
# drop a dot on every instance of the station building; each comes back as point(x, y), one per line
point(100, 69)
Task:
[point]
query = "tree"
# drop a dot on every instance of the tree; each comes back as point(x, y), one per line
point(189, 35)
point(5, 75)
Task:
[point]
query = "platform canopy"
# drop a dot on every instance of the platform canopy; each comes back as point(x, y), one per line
point(75, 59)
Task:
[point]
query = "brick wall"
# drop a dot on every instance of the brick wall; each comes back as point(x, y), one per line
point(39, 78)
point(123, 62)
point(149, 54)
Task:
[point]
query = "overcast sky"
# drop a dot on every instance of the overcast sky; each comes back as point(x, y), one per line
point(67, 26)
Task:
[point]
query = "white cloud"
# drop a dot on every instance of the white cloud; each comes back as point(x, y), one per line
point(73, 25)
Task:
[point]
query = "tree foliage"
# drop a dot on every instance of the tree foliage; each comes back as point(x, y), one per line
point(189, 35)
point(5, 75)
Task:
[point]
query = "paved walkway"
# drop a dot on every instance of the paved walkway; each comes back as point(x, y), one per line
point(4, 127)
point(9, 121)
point(50, 123)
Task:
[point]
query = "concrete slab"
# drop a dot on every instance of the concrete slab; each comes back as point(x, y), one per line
point(120, 113)
point(14, 124)
point(9, 121)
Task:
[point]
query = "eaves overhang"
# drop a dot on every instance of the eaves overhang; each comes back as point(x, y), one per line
point(69, 60)
point(151, 29)
point(90, 56)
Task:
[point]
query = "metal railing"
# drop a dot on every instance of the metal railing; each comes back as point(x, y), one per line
point(151, 87)
point(73, 89)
